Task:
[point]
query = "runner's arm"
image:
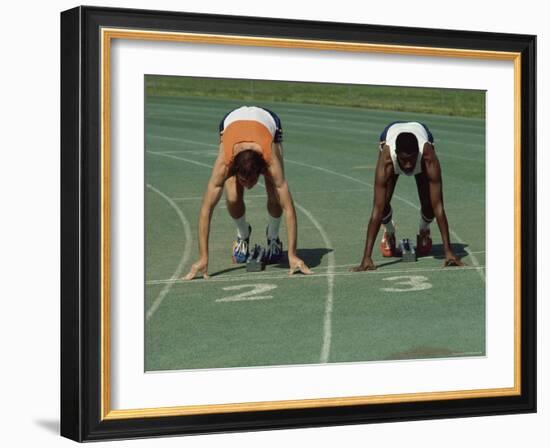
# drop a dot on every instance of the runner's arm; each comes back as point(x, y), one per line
point(381, 178)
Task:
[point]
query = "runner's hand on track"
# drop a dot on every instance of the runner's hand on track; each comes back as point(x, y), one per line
point(201, 267)
point(366, 265)
point(452, 260)
point(296, 264)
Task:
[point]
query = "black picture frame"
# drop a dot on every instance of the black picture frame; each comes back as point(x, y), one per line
point(81, 210)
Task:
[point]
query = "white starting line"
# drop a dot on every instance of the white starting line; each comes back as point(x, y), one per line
point(327, 273)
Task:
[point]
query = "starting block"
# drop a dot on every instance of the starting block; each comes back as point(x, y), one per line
point(256, 259)
point(408, 252)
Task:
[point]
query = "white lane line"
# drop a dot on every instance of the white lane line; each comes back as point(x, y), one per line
point(349, 190)
point(377, 124)
point(196, 152)
point(178, 139)
point(327, 324)
point(345, 176)
point(429, 257)
point(402, 199)
point(170, 156)
point(329, 303)
point(333, 273)
point(454, 156)
point(184, 258)
point(330, 276)
point(357, 131)
point(289, 110)
point(199, 198)
point(472, 257)
point(439, 143)
point(330, 279)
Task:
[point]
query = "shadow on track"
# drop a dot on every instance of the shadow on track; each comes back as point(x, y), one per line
point(439, 254)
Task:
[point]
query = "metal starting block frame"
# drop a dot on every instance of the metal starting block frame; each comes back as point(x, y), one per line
point(408, 251)
point(256, 259)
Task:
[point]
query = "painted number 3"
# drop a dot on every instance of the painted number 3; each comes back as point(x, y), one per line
point(253, 294)
point(408, 283)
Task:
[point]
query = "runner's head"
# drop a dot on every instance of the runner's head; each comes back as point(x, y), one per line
point(247, 167)
point(406, 149)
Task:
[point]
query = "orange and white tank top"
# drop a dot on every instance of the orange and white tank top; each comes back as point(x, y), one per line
point(248, 124)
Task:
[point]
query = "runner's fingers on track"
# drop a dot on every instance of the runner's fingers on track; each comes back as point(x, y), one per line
point(366, 265)
point(196, 268)
point(362, 268)
point(298, 265)
point(454, 261)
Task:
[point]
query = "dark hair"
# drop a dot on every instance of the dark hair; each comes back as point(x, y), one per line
point(248, 164)
point(406, 143)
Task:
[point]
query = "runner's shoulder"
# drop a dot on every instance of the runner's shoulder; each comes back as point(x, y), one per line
point(385, 162)
point(428, 152)
point(385, 155)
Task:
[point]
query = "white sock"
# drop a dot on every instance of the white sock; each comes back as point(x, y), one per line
point(389, 227)
point(273, 226)
point(424, 225)
point(242, 226)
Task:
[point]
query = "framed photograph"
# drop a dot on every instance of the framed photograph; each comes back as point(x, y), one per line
point(272, 223)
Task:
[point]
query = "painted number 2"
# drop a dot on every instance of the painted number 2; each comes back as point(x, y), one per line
point(408, 283)
point(253, 294)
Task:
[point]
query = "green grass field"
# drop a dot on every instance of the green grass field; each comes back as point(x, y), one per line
point(454, 102)
point(234, 319)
